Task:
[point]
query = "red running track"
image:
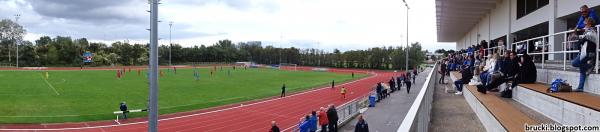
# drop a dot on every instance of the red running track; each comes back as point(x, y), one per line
point(256, 116)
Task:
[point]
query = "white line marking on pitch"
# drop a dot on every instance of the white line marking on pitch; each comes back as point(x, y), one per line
point(197, 114)
point(50, 85)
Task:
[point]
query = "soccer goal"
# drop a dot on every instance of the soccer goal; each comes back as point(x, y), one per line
point(288, 66)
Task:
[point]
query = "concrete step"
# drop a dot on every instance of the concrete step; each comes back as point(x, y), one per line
point(592, 83)
point(567, 108)
point(497, 113)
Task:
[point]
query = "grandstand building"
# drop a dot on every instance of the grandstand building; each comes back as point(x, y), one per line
point(468, 22)
point(539, 28)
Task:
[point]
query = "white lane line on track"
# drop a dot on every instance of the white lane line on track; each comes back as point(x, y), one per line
point(197, 114)
point(50, 85)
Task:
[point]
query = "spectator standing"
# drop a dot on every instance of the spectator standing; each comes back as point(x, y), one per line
point(313, 121)
point(379, 90)
point(586, 13)
point(361, 125)
point(414, 74)
point(274, 127)
point(408, 84)
point(304, 125)
point(399, 81)
point(587, 43)
point(443, 72)
point(333, 118)
point(283, 90)
point(392, 84)
point(123, 108)
point(323, 120)
point(332, 84)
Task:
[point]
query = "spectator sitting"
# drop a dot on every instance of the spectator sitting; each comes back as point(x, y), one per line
point(466, 77)
point(587, 46)
point(488, 69)
point(527, 71)
point(509, 69)
point(361, 125)
point(470, 51)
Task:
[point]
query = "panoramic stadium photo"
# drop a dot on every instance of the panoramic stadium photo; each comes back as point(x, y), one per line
point(299, 65)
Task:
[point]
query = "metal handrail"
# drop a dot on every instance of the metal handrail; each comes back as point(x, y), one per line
point(564, 50)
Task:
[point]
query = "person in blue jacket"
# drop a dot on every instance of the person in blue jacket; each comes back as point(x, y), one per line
point(304, 125)
point(123, 107)
point(313, 122)
point(586, 12)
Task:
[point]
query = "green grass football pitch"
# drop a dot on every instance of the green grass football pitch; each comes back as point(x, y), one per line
point(74, 96)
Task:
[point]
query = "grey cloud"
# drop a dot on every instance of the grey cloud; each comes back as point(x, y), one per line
point(243, 5)
point(92, 11)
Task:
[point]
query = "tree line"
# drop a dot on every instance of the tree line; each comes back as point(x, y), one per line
point(66, 51)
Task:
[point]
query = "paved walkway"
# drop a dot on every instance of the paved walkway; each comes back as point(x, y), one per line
point(388, 114)
point(451, 113)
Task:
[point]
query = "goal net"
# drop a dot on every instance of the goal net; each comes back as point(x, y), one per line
point(288, 66)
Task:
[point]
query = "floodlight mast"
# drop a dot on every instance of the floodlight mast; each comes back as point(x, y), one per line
point(153, 79)
point(17, 41)
point(407, 45)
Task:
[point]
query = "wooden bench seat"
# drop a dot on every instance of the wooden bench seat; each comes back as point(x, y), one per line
point(587, 100)
point(511, 118)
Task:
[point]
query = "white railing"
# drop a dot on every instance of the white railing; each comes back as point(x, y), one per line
point(419, 114)
point(542, 41)
point(346, 112)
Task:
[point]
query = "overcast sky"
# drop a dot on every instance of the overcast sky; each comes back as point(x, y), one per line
point(324, 24)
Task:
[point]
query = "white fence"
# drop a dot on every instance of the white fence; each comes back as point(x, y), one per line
point(419, 114)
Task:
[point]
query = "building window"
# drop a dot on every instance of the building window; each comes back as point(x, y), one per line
point(525, 7)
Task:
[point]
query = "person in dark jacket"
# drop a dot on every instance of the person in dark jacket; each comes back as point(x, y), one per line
point(414, 74)
point(527, 71)
point(443, 72)
point(379, 90)
point(332, 84)
point(333, 118)
point(408, 84)
point(392, 84)
point(361, 125)
point(123, 108)
point(274, 127)
point(467, 75)
point(283, 90)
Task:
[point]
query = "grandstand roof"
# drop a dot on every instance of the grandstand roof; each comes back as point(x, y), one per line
point(456, 17)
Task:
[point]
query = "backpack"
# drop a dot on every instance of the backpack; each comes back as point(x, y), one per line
point(559, 85)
